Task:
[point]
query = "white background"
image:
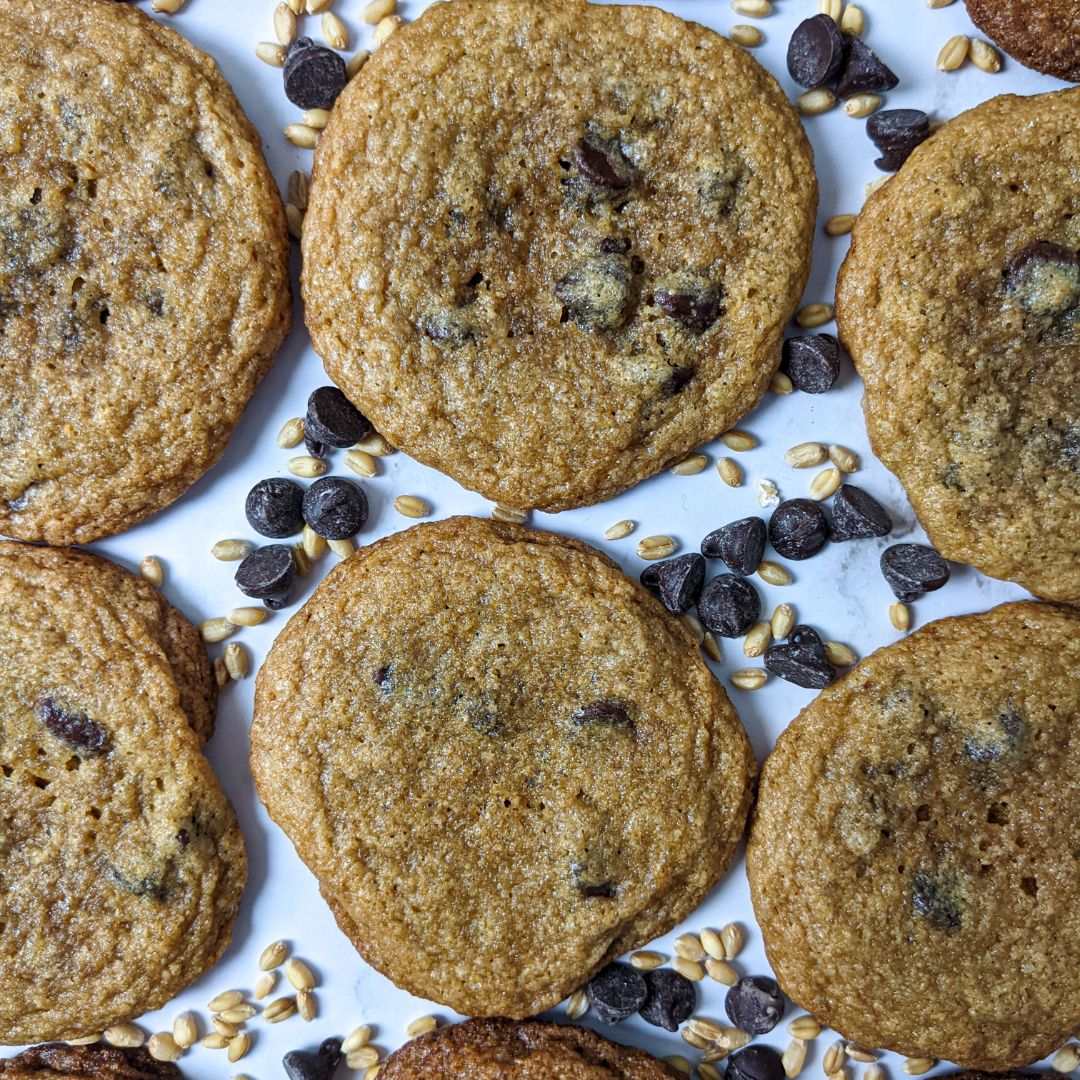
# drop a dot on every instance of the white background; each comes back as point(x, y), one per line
point(840, 591)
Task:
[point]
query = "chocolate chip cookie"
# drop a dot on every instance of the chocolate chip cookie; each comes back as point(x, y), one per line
point(502, 1049)
point(122, 861)
point(95, 1062)
point(960, 305)
point(505, 761)
point(1041, 34)
point(913, 859)
point(574, 263)
point(144, 280)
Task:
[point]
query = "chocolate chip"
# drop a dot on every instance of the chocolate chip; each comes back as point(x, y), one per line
point(601, 712)
point(268, 574)
point(696, 310)
point(451, 327)
point(1045, 278)
point(382, 678)
point(913, 569)
point(812, 362)
point(616, 992)
point(335, 508)
point(670, 999)
point(995, 738)
point(740, 544)
point(932, 903)
point(755, 1063)
point(614, 245)
point(333, 419)
point(729, 605)
point(798, 528)
point(676, 581)
point(679, 378)
point(596, 291)
point(76, 729)
point(314, 447)
point(318, 1065)
point(755, 1004)
point(816, 52)
point(802, 660)
point(863, 70)
point(857, 515)
point(896, 132)
point(601, 163)
point(313, 75)
point(603, 890)
point(274, 507)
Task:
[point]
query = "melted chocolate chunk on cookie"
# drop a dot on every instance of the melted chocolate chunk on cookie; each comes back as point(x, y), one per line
point(692, 302)
point(616, 992)
point(600, 162)
point(995, 737)
point(383, 678)
point(614, 245)
point(679, 379)
point(1044, 278)
point(595, 292)
point(451, 327)
point(592, 883)
point(931, 901)
point(319, 1064)
point(77, 730)
point(612, 713)
point(150, 885)
point(718, 180)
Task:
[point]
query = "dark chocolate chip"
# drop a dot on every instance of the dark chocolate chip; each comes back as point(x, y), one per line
point(802, 660)
point(697, 311)
point(1045, 278)
point(268, 574)
point(670, 999)
point(601, 163)
point(335, 508)
point(816, 52)
point(913, 569)
point(932, 902)
point(605, 890)
point(755, 1063)
point(596, 291)
point(318, 1065)
point(451, 327)
point(812, 362)
point(896, 132)
point(601, 712)
point(333, 419)
point(76, 729)
point(729, 605)
point(382, 678)
point(857, 515)
point(995, 738)
point(616, 992)
point(740, 544)
point(314, 447)
point(313, 75)
point(863, 70)
point(183, 837)
point(755, 1004)
point(676, 581)
point(614, 245)
point(274, 507)
point(798, 528)
point(679, 378)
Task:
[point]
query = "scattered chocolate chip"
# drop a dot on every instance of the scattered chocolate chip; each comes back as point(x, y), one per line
point(267, 574)
point(740, 544)
point(318, 1065)
point(676, 581)
point(995, 737)
point(670, 999)
point(335, 508)
point(755, 1004)
point(729, 605)
point(812, 362)
point(76, 729)
point(596, 291)
point(274, 507)
point(314, 447)
point(913, 569)
point(863, 70)
point(798, 528)
point(816, 52)
point(601, 712)
point(313, 75)
point(755, 1063)
point(896, 132)
point(616, 992)
point(333, 419)
point(857, 515)
point(932, 903)
point(802, 660)
point(601, 163)
point(1045, 278)
point(614, 245)
point(697, 311)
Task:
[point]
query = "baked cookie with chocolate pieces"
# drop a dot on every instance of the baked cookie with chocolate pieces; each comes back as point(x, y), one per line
point(500, 1049)
point(51, 1061)
point(144, 282)
point(913, 856)
point(584, 271)
point(506, 762)
point(123, 862)
point(960, 305)
point(1041, 34)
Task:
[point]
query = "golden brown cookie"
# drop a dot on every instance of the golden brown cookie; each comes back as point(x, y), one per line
point(96, 1062)
point(499, 1049)
point(571, 265)
point(913, 859)
point(144, 281)
point(505, 761)
point(960, 305)
point(122, 860)
point(1041, 34)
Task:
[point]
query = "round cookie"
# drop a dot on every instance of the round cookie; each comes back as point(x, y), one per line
point(500, 1049)
point(144, 287)
point(505, 762)
point(51, 1061)
point(913, 855)
point(122, 860)
point(574, 263)
point(960, 305)
point(1041, 34)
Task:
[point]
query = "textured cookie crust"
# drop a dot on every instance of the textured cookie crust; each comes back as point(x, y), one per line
point(971, 398)
point(54, 1060)
point(417, 735)
point(500, 1049)
point(1041, 34)
point(455, 282)
point(144, 281)
point(913, 856)
point(122, 862)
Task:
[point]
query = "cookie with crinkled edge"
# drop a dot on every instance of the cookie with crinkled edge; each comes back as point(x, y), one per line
point(145, 284)
point(913, 854)
point(1041, 34)
point(505, 761)
point(96, 1062)
point(960, 305)
point(573, 264)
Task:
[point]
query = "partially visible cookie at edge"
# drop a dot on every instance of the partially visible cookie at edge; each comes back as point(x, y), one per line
point(51, 1061)
point(1041, 34)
